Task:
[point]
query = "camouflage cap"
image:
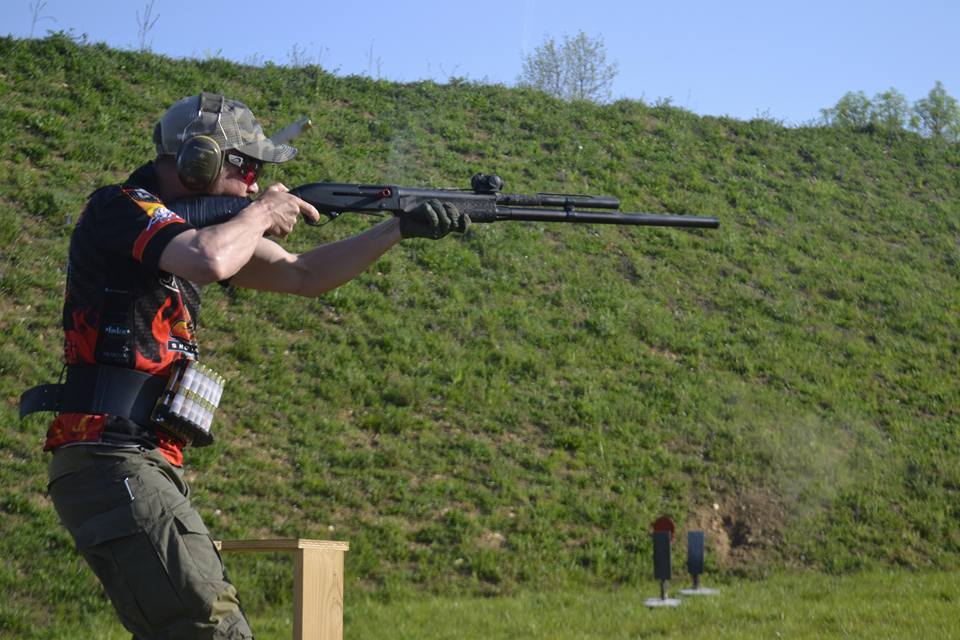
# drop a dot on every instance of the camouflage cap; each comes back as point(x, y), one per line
point(227, 121)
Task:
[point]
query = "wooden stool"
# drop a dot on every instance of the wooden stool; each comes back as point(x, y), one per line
point(317, 582)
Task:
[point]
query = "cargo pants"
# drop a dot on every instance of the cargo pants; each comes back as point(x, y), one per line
point(129, 512)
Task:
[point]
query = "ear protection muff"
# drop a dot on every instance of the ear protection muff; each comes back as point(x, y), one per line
point(199, 162)
point(200, 157)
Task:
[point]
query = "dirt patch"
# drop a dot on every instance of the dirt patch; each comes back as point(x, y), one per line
point(709, 520)
point(492, 540)
point(741, 528)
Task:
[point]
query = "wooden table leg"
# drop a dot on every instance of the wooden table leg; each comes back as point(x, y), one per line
point(317, 582)
point(318, 594)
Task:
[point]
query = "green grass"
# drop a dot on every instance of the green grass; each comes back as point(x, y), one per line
point(876, 605)
point(800, 605)
point(508, 411)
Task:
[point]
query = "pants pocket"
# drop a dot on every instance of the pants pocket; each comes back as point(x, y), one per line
point(194, 563)
point(124, 557)
point(195, 570)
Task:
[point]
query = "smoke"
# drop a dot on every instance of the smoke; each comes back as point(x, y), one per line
point(821, 456)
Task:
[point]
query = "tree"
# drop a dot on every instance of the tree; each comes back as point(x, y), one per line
point(938, 115)
point(145, 24)
point(36, 10)
point(576, 69)
point(851, 111)
point(890, 110)
point(887, 110)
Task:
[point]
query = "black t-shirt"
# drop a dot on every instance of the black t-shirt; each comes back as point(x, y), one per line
point(120, 309)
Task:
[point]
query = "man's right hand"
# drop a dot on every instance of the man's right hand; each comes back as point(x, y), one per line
point(282, 210)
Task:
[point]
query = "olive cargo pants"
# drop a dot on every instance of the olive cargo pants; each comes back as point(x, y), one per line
point(129, 513)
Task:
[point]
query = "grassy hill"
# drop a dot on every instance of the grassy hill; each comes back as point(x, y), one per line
point(511, 409)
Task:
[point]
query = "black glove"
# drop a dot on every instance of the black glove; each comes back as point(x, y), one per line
point(432, 219)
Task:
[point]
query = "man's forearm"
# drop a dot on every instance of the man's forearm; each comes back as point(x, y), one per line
point(331, 265)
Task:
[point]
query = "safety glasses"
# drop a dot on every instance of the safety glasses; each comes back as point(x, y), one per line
point(249, 168)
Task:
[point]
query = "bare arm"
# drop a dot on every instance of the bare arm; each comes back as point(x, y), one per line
point(327, 266)
point(219, 251)
point(237, 250)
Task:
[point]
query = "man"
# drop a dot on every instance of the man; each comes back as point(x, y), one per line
point(132, 299)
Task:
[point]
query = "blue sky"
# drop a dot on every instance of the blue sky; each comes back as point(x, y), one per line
point(742, 58)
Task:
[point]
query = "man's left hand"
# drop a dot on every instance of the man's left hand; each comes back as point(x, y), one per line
point(432, 219)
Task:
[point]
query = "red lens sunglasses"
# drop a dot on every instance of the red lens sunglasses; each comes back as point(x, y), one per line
point(249, 167)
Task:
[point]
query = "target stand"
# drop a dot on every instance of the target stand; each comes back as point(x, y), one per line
point(695, 553)
point(663, 530)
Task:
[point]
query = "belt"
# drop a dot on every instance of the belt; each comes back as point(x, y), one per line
point(98, 388)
